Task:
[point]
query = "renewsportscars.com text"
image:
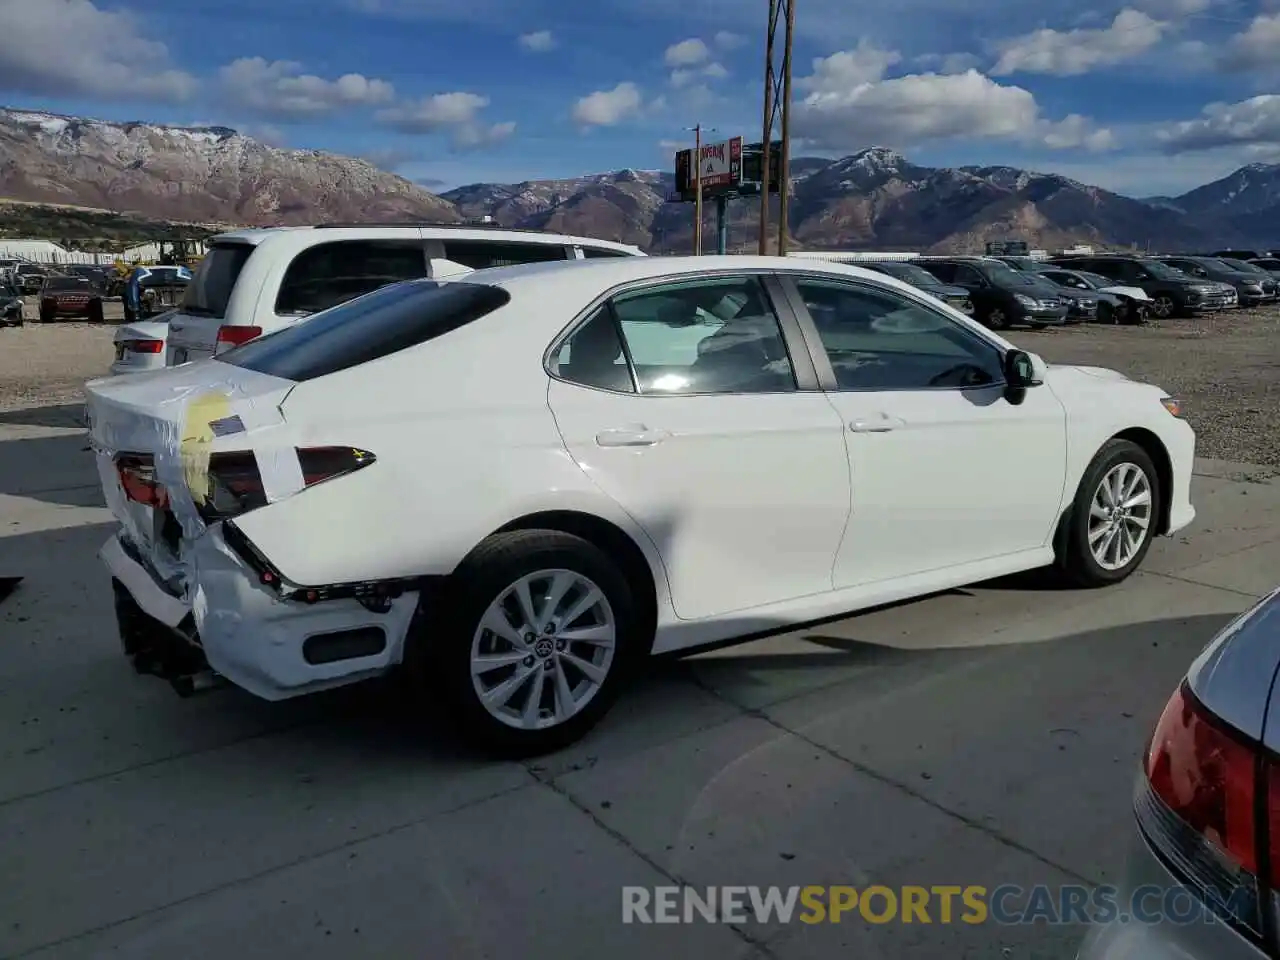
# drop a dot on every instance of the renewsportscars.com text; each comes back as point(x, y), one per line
point(1009, 904)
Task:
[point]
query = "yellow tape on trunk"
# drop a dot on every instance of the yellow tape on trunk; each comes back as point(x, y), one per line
point(197, 435)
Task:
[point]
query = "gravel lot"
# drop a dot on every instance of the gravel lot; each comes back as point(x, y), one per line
point(1225, 369)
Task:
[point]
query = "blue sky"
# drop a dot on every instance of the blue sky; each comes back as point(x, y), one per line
point(1144, 96)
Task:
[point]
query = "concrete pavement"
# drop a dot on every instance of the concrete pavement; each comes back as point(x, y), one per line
point(985, 736)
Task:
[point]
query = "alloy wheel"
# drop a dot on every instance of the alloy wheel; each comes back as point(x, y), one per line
point(1120, 516)
point(1163, 307)
point(543, 649)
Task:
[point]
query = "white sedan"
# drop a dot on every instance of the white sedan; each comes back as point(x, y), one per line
point(139, 346)
point(517, 485)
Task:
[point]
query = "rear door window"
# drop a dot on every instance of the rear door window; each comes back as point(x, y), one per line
point(328, 274)
point(209, 292)
point(943, 271)
point(381, 323)
point(482, 254)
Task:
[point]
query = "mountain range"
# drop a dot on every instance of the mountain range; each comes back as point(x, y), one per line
point(874, 199)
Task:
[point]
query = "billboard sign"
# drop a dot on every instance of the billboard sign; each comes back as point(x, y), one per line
point(720, 165)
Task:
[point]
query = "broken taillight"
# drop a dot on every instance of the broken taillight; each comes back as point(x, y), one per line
point(235, 483)
point(137, 474)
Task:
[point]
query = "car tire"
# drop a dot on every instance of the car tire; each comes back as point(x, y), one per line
point(46, 316)
point(1163, 307)
point(1107, 314)
point(95, 312)
point(445, 641)
point(1083, 558)
point(996, 319)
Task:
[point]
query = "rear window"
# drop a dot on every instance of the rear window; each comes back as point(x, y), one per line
point(590, 252)
point(210, 290)
point(482, 254)
point(328, 274)
point(54, 284)
point(376, 325)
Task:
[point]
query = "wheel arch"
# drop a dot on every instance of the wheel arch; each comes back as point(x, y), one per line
point(1154, 447)
point(615, 542)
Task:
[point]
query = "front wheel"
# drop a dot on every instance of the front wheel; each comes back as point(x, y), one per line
point(539, 636)
point(95, 312)
point(1163, 307)
point(1113, 518)
point(996, 319)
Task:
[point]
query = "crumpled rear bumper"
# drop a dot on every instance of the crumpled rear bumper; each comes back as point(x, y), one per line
point(273, 648)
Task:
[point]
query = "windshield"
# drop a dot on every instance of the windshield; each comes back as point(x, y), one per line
point(1239, 266)
point(1162, 271)
point(210, 290)
point(62, 284)
point(909, 272)
point(999, 271)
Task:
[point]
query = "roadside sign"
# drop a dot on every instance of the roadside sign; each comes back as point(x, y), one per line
point(721, 166)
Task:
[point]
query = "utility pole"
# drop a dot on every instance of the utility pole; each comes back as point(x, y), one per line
point(777, 107)
point(697, 190)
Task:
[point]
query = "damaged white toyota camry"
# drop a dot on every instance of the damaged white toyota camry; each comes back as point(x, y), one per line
point(516, 484)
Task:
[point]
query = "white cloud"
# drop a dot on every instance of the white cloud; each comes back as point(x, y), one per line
point(608, 108)
point(685, 76)
point(851, 105)
point(948, 62)
point(280, 89)
point(1174, 8)
point(1253, 123)
point(456, 114)
point(848, 69)
point(687, 53)
point(1255, 48)
point(1067, 53)
point(540, 41)
point(62, 48)
point(726, 40)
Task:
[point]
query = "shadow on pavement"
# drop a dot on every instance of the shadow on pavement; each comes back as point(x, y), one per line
point(58, 415)
point(58, 469)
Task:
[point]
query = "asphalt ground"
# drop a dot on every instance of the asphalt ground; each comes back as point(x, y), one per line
point(985, 736)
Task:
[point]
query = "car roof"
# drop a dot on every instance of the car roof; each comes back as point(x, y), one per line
point(350, 231)
point(589, 278)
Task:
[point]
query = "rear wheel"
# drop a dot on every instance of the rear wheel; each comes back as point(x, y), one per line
point(95, 312)
point(996, 319)
point(1163, 307)
point(539, 635)
point(46, 316)
point(1113, 517)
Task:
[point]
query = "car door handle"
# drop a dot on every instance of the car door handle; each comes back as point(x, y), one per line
point(631, 437)
point(877, 425)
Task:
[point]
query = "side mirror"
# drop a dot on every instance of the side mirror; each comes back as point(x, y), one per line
point(1021, 370)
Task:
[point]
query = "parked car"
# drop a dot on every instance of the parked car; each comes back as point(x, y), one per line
point(139, 346)
point(1206, 809)
point(1002, 297)
point(1270, 286)
point(254, 281)
point(1249, 288)
point(1172, 292)
point(1116, 304)
point(922, 279)
point(160, 288)
point(285, 520)
point(63, 298)
point(11, 305)
point(1269, 264)
point(1025, 264)
point(97, 276)
point(1242, 254)
point(30, 278)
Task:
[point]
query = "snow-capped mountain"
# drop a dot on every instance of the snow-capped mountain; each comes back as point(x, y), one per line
point(195, 173)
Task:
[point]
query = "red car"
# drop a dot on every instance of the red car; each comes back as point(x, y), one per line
point(64, 298)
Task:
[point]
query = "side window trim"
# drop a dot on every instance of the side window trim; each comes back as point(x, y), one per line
point(776, 296)
point(818, 353)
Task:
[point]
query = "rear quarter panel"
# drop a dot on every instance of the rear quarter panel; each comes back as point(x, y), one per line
point(465, 443)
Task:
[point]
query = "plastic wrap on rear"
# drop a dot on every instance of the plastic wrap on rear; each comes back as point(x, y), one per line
point(177, 432)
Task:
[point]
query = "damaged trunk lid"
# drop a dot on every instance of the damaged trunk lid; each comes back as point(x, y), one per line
point(154, 436)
